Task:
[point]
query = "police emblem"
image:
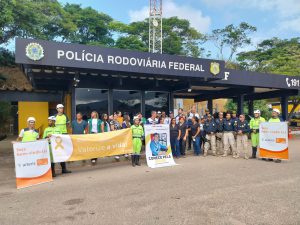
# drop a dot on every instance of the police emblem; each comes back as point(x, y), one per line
point(214, 68)
point(34, 51)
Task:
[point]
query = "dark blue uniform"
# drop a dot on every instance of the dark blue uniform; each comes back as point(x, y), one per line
point(210, 126)
point(219, 125)
point(243, 126)
point(228, 125)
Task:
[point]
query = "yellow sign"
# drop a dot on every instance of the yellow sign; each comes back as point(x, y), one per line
point(214, 68)
point(89, 146)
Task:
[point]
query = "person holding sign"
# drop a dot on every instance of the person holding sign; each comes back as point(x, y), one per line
point(29, 133)
point(137, 135)
point(52, 129)
point(242, 130)
point(62, 122)
point(254, 128)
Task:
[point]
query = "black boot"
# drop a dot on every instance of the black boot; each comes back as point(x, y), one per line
point(254, 150)
point(64, 168)
point(137, 161)
point(133, 160)
point(53, 169)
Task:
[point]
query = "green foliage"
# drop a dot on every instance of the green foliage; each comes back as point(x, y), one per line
point(273, 56)
point(262, 105)
point(7, 58)
point(5, 111)
point(232, 37)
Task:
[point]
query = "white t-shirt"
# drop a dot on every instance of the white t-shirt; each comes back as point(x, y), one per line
point(94, 125)
point(191, 115)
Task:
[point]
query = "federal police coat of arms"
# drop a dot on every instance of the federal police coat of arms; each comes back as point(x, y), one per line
point(214, 68)
point(34, 51)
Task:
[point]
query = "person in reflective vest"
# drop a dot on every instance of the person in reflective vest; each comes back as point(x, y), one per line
point(51, 129)
point(137, 135)
point(29, 133)
point(275, 119)
point(254, 128)
point(62, 122)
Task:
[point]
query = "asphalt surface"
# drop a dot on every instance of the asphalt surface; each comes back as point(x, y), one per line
point(211, 190)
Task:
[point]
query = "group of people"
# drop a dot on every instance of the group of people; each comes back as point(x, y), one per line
point(223, 136)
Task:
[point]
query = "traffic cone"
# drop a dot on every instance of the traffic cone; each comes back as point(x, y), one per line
point(290, 134)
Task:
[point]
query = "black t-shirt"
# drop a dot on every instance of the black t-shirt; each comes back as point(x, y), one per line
point(174, 131)
point(183, 127)
point(194, 129)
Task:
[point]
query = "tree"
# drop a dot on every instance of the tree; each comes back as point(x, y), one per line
point(274, 56)
point(232, 37)
point(44, 19)
point(92, 27)
point(179, 38)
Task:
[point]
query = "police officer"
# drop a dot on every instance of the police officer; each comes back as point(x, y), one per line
point(51, 129)
point(61, 122)
point(29, 133)
point(242, 130)
point(254, 128)
point(206, 114)
point(219, 134)
point(228, 137)
point(137, 135)
point(210, 129)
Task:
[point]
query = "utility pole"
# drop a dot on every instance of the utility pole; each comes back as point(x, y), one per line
point(155, 26)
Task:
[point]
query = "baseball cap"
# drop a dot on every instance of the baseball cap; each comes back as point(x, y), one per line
point(59, 106)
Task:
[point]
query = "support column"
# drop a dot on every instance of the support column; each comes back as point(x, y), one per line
point(250, 107)
point(73, 103)
point(143, 108)
point(210, 106)
point(171, 102)
point(110, 102)
point(284, 107)
point(240, 103)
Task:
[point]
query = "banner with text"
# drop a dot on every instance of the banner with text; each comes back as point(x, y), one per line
point(89, 146)
point(158, 149)
point(32, 163)
point(273, 139)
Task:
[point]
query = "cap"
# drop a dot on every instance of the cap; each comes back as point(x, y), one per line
point(158, 112)
point(257, 111)
point(276, 110)
point(136, 118)
point(52, 118)
point(206, 110)
point(31, 119)
point(59, 106)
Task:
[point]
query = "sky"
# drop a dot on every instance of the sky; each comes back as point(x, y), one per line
point(273, 18)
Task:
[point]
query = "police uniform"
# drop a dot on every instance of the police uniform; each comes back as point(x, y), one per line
point(254, 127)
point(137, 135)
point(228, 137)
point(47, 132)
point(210, 129)
point(219, 135)
point(242, 139)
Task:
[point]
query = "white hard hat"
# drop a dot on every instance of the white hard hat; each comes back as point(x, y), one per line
point(31, 119)
point(136, 118)
point(52, 118)
point(257, 111)
point(59, 106)
point(276, 110)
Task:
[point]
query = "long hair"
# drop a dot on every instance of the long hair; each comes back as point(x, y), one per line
point(97, 115)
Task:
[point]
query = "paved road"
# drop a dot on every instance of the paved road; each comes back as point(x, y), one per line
point(199, 190)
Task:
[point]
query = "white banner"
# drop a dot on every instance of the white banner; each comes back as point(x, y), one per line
point(273, 139)
point(32, 163)
point(158, 148)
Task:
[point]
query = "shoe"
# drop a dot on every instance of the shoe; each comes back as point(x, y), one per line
point(93, 162)
point(277, 160)
point(246, 157)
point(205, 154)
point(64, 168)
point(66, 171)
point(117, 158)
point(53, 170)
point(224, 155)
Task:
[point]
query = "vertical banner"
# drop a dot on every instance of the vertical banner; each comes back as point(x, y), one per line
point(88, 146)
point(273, 139)
point(158, 148)
point(32, 163)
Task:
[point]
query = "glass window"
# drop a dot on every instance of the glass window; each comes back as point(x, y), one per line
point(88, 100)
point(158, 101)
point(127, 102)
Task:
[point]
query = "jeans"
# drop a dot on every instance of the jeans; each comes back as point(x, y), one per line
point(182, 145)
point(175, 146)
point(196, 145)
